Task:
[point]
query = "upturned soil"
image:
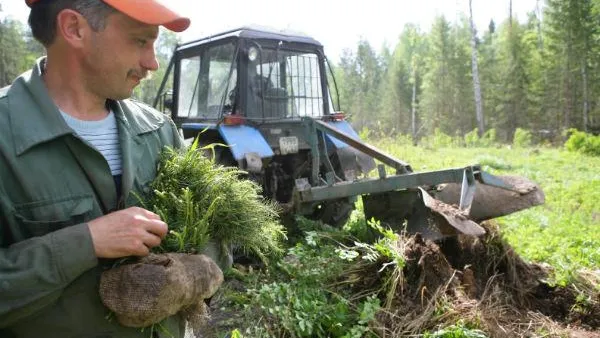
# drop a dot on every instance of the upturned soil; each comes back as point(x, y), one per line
point(482, 281)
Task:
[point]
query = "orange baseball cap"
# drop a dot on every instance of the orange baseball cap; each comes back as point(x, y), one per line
point(151, 12)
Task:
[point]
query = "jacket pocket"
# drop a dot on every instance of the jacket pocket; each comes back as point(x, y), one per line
point(42, 217)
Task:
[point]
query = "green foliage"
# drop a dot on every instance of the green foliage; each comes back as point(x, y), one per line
point(357, 225)
point(584, 143)
point(18, 50)
point(576, 140)
point(473, 140)
point(364, 133)
point(404, 78)
point(570, 27)
point(303, 302)
point(312, 312)
point(522, 138)
point(492, 162)
point(312, 291)
point(583, 303)
point(440, 140)
point(529, 70)
point(460, 330)
point(385, 246)
point(188, 222)
point(514, 60)
point(236, 334)
point(361, 71)
point(437, 78)
point(199, 199)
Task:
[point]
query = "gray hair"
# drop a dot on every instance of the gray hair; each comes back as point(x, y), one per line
point(42, 18)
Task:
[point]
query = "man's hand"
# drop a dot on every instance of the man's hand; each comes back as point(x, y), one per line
point(130, 232)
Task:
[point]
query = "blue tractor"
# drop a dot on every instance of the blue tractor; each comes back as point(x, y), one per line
point(268, 95)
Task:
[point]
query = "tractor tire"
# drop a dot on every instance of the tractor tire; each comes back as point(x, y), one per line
point(335, 212)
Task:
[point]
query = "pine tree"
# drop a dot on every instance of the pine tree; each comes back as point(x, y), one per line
point(362, 75)
point(404, 78)
point(490, 74)
point(571, 30)
point(515, 82)
point(475, 71)
point(437, 98)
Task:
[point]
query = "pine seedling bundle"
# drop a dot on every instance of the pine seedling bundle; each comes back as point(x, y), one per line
point(201, 200)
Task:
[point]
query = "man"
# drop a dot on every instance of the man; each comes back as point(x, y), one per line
point(73, 150)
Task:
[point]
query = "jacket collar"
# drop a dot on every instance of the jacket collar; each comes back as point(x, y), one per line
point(35, 119)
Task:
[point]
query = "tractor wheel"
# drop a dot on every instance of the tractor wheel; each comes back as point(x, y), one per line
point(335, 213)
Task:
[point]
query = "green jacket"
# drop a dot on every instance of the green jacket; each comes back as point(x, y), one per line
point(51, 184)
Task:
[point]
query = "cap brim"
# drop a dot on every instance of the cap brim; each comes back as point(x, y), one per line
point(151, 12)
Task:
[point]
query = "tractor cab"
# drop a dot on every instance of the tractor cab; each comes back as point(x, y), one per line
point(249, 74)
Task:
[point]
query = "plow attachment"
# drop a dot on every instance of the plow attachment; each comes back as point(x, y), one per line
point(436, 204)
point(491, 201)
point(437, 213)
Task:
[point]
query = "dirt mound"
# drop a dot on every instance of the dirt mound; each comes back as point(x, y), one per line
point(482, 281)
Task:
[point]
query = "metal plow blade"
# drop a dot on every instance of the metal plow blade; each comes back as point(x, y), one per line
point(491, 201)
point(455, 217)
point(417, 212)
point(437, 214)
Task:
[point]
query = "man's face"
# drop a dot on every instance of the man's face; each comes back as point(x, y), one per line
point(117, 58)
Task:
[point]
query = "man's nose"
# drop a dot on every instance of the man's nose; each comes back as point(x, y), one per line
point(149, 60)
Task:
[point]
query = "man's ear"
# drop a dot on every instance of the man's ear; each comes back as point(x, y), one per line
point(72, 27)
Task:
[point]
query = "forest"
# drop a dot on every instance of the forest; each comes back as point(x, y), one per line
point(538, 74)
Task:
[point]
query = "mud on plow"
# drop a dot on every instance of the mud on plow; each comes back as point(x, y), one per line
point(437, 204)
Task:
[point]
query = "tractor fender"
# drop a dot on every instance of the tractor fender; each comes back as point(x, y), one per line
point(243, 140)
point(352, 161)
point(345, 127)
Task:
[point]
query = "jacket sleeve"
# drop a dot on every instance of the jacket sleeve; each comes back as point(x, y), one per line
point(177, 137)
point(34, 272)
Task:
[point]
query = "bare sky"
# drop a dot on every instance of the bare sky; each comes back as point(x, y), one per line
point(338, 24)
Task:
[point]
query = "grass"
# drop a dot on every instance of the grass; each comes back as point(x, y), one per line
point(565, 231)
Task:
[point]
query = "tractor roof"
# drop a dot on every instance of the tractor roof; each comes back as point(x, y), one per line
point(254, 32)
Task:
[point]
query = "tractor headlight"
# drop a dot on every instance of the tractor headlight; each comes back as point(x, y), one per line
point(252, 54)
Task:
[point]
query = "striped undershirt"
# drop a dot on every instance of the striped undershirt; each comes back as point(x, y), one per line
point(103, 135)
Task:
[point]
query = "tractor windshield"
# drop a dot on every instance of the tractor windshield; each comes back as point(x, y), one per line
point(274, 83)
point(284, 84)
point(205, 82)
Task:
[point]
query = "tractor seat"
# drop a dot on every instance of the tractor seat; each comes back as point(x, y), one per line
point(275, 102)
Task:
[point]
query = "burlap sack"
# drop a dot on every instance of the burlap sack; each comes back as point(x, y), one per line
point(158, 286)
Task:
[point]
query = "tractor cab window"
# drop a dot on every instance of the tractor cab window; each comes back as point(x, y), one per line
point(206, 83)
point(284, 84)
